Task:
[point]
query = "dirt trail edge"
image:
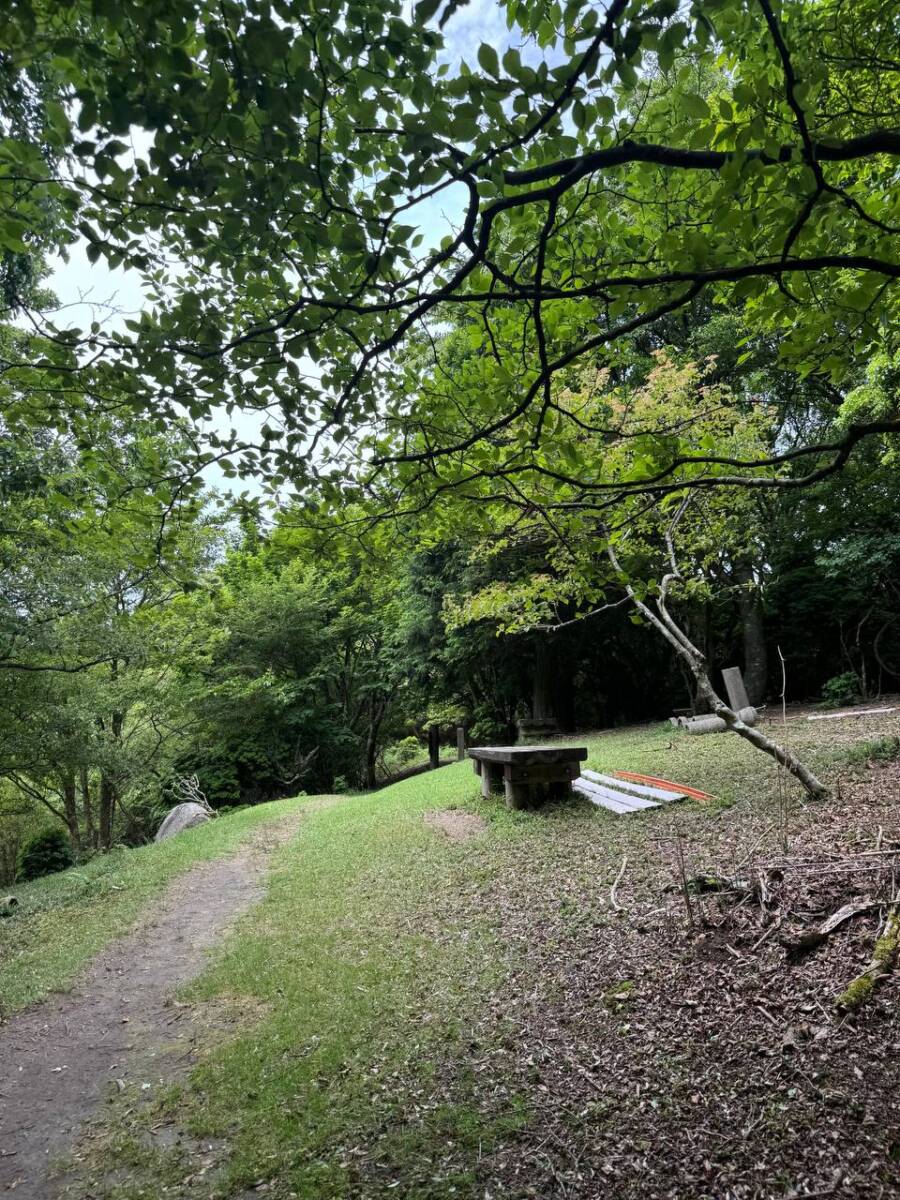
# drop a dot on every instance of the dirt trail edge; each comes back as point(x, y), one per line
point(59, 1059)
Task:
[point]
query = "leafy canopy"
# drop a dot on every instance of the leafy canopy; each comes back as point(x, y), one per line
point(607, 167)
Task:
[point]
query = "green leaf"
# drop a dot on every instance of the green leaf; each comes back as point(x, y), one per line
point(425, 10)
point(488, 60)
point(694, 105)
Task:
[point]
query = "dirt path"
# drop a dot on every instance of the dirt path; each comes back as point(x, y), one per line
point(59, 1059)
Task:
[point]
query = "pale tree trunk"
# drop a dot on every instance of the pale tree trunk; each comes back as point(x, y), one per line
point(696, 664)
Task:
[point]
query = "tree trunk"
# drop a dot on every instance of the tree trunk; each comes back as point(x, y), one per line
point(753, 630)
point(108, 798)
point(109, 786)
point(371, 755)
point(70, 808)
point(87, 809)
point(377, 709)
point(755, 737)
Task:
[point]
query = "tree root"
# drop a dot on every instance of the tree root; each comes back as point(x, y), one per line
point(884, 958)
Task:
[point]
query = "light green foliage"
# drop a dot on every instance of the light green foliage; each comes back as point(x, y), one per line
point(676, 411)
point(403, 753)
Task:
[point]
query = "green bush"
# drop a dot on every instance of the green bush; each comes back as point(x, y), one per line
point(45, 854)
point(841, 689)
point(403, 754)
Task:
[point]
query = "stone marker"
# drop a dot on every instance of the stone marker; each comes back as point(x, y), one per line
point(536, 730)
point(182, 816)
point(461, 742)
point(734, 686)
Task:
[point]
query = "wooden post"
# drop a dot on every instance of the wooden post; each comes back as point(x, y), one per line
point(434, 747)
point(461, 742)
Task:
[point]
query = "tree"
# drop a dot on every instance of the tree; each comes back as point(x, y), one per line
point(660, 551)
point(93, 542)
point(293, 667)
point(609, 168)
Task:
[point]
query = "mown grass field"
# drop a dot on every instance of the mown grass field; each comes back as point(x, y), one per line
point(409, 1015)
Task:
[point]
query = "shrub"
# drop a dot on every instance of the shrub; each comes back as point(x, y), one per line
point(403, 753)
point(44, 854)
point(841, 689)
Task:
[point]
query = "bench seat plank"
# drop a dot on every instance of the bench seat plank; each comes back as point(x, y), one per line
point(526, 755)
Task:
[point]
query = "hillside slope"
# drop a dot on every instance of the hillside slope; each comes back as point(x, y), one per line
point(461, 1006)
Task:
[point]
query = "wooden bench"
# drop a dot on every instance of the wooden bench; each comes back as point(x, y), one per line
point(527, 774)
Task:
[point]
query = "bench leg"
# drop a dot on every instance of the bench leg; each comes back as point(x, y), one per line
point(518, 793)
point(490, 779)
point(523, 792)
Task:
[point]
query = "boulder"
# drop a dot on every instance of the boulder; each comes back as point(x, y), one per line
point(182, 816)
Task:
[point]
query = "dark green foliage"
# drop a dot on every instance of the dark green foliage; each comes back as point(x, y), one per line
point(841, 689)
point(45, 854)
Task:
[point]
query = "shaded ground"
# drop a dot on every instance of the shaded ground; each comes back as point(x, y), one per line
point(664, 1050)
point(119, 1025)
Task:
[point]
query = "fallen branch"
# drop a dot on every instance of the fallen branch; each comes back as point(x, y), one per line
point(858, 712)
point(883, 961)
point(612, 891)
point(815, 937)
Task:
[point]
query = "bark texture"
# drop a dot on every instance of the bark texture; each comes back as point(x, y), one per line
point(753, 632)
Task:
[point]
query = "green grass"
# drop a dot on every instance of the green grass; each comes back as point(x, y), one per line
point(358, 975)
point(883, 749)
point(63, 919)
point(356, 1012)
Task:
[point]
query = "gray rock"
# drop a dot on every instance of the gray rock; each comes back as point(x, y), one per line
point(182, 816)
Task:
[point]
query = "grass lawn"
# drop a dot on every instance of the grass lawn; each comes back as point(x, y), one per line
point(410, 1015)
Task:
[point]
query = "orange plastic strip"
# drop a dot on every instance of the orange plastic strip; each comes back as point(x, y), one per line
point(695, 793)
